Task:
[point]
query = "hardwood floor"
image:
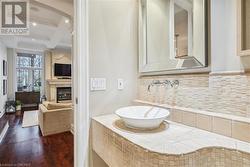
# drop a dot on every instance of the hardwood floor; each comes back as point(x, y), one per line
point(27, 147)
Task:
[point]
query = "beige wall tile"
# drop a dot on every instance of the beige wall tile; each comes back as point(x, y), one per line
point(220, 93)
point(204, 122)
point(241, 131)
point(176, 116)
point(189, 119)
point(222, 126)
point(227, 94)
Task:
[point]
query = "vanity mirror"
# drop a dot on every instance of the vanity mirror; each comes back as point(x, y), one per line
point(172, 35)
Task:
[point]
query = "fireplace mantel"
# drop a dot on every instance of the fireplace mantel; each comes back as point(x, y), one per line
point(53, 84)
point(59, 81)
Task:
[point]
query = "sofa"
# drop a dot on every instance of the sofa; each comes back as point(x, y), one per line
point(54, 117)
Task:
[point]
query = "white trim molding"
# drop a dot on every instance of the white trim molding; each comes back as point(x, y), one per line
point(81, 84)
point(72, 129)
point(216, 73)
point(5, 129)
point(1, 114)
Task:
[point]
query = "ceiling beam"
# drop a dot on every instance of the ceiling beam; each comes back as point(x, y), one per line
point(20, 42)
point(42, 21)
point(62, 7)
point(43, 42)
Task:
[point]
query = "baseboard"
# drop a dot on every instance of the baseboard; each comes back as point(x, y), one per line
point(4, 131)
point(72, 128)
point(1, 114)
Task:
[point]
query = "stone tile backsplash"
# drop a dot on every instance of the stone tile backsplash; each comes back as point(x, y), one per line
point(227, 94)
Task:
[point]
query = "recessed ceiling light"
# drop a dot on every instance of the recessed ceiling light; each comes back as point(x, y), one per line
point(33, 39)
point(66, 21)
point(34, 24)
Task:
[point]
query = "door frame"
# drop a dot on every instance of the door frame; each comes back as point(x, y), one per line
point(81, 84)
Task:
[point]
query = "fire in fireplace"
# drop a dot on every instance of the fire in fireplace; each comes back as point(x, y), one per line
point(63, 94)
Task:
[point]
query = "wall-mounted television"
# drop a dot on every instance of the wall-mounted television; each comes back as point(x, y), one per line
point(62, 70)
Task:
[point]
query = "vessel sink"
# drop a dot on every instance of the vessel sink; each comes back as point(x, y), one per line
point(142, 117)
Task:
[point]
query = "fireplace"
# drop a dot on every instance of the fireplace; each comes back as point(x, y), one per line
point(63, 94)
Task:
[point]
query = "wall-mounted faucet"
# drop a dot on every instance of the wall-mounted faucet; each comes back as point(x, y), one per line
point(174, 84)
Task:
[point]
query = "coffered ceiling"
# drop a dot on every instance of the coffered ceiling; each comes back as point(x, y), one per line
point(50, 27)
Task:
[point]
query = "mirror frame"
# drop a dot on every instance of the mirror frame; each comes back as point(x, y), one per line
point(144, 69)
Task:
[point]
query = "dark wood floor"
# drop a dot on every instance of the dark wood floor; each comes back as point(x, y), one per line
point(27, 147)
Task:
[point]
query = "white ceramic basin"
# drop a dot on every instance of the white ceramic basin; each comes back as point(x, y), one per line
point(142, 117)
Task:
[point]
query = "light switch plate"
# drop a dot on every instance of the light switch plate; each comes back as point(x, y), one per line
point(98, 84)
point(120, 84)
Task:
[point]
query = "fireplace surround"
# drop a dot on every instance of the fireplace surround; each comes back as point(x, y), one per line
point(53, 84)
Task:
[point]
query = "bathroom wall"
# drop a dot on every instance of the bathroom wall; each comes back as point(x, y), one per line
point(3, 56)
point(113, 54)
point(227, 88)
point(224, 55)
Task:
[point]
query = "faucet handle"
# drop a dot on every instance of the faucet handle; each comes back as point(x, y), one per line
point(156, 82)
point(167, 82)
point(149, 87)
point(176, 83)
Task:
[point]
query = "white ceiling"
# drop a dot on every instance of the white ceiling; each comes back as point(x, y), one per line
point(51, 30)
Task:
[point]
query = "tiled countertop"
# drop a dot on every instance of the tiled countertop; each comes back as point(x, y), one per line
point(172, 138)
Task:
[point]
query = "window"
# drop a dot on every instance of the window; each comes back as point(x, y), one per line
point(29, 72)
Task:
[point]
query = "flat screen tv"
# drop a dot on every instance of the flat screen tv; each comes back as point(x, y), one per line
point(62, 70)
